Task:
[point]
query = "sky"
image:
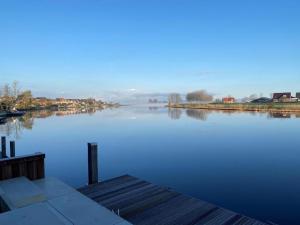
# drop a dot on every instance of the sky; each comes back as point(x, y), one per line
point(116, 49)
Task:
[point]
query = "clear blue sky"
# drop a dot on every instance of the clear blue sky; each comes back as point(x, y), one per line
point(119, 47)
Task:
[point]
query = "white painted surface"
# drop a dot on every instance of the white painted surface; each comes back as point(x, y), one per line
point(50, 201)
point(20, 192)
point(36, 214)
point(53, 188)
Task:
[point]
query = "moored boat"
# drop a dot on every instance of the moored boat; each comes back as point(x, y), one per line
point(11, 114)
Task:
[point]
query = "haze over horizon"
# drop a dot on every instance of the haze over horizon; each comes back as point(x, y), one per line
point(120, 49)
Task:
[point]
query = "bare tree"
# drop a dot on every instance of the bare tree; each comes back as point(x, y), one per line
point(6, 100)
point(15, 89)
point(174, 98)
point(199, 96)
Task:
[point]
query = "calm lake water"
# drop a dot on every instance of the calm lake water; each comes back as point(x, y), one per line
point(246, 162)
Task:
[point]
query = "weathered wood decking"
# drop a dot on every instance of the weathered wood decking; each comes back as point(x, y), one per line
point(143, 203)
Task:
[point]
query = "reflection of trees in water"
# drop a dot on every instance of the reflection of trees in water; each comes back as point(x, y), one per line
point(14, 126)
point(40, 114)
point(174, 113)
point(26, 122)
point(197, 114)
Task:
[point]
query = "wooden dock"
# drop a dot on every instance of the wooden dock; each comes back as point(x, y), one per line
point(144, 203)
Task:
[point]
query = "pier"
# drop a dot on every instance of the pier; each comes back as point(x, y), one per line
point(143, 203)
point(28, 197)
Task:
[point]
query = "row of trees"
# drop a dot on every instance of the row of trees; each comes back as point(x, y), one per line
point(11, 97)
point(195, 96)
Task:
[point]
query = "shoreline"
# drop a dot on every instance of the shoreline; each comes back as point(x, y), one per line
point(247, 107)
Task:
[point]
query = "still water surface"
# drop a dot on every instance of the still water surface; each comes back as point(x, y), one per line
point(246, 162)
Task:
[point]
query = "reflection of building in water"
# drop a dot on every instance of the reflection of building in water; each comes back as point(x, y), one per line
point(197, 114)
point(174, 113)
point(279, 115)
point(40, 113)
point(75, 111)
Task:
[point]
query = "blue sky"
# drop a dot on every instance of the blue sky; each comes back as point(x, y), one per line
point(115, 48)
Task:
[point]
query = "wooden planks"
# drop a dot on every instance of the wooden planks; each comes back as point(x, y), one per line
point(30, 166)
point(143, 203)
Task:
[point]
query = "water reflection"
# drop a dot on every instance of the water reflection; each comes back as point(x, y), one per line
point(13, 126)
point(280, 115)
point(174, 113)
point(183, 150)
point(197, 114)
point(153, 108)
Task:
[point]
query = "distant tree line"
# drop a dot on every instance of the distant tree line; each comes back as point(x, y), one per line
point(199, 96)
point(11, 96)
point(195, 96)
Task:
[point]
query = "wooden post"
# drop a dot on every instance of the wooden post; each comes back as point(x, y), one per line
point(12, 149)
point(93, 163)
point(3, 148)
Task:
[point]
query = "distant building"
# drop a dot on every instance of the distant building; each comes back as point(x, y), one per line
point(282, 97)
point(228, 100)
point(298, 95)
point(42, 101)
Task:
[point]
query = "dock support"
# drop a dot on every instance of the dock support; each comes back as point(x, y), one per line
point(12, 149)
point(93, 163)
point(3, 147)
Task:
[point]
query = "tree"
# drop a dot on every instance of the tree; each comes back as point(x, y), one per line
point(7, 100)
point(174, 98)
point(199, 96)
point(15, 89)
point(24, 100)
point(218, 100)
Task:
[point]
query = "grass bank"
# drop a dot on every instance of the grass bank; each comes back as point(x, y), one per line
point(266, 107)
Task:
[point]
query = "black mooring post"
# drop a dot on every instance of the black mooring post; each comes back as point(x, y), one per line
point(93, 163)
point(12, 149)
point(3, 147)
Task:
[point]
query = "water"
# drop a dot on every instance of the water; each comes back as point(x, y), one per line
point(246, 162)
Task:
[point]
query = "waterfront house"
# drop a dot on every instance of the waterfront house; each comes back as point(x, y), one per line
point(41, 101)
point(227, 100)
point(282, 97)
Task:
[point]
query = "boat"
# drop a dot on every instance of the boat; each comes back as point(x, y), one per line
point(11, 114)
